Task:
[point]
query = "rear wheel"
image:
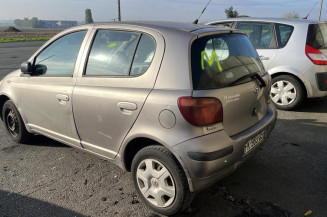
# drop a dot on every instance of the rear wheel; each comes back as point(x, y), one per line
point(286, 92)
point(14, 123)
point(160, 181)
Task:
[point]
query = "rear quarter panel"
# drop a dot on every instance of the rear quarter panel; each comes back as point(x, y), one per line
point(292, 58)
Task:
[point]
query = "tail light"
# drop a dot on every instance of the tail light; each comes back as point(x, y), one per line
point(315, 55)
point(202, 111)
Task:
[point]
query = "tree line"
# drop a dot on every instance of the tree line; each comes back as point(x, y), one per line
point(231, 13)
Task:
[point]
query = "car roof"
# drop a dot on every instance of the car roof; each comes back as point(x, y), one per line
point(273, 20)
point(158, 25)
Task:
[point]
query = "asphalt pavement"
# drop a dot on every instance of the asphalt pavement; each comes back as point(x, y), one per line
point(12, 55)
point(46, 178)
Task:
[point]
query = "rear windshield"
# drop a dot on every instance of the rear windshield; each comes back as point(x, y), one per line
point(219, 60)
point(317, 36)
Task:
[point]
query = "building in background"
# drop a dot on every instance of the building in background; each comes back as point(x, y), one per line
point(50, 24)
point(58, 24)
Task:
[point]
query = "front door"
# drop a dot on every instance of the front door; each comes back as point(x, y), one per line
point(46, 94)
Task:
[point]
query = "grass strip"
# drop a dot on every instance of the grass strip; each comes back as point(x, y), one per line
point(6, 40)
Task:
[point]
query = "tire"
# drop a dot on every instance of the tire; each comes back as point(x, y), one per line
point(286, 92)
point(14, 123)
point(157, 174)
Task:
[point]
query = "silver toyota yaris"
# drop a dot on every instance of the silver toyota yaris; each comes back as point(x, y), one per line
point(179, 105)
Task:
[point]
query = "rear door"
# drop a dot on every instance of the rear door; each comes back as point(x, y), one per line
point(118, 74)
point(220, 67)
point(263, 38)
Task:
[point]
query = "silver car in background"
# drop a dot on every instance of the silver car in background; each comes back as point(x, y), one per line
point(293, 51)
point(179, 105)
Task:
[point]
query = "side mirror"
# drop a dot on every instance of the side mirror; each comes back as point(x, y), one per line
point(26, 68)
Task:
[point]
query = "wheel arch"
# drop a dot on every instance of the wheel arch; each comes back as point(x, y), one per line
point(134, 145)
point(3, 99)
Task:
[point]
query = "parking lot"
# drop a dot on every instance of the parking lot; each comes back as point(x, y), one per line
point(47, 178)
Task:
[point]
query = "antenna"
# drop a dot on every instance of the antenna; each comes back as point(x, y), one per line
point(306, 17)
point(119, 17)
point(204, 9)
point(321, 1)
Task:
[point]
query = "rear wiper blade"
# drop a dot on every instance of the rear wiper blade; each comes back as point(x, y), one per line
point(252, 76)
point(260, 79)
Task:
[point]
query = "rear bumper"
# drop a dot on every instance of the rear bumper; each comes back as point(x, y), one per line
point(321, 79)
point(314, 79)
point(212, 157)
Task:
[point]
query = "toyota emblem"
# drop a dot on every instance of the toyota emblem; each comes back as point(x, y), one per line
point(256, 88)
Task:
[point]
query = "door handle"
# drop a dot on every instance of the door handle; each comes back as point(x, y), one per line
point(127, 106)
point(263, 58)
point(62, 97)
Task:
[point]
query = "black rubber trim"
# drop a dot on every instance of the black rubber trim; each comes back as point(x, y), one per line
point(211, 155)
point(321, 81)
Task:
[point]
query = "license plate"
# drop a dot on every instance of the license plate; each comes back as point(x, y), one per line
point(254, 141)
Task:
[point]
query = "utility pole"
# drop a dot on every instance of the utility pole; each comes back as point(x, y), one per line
point(321, 1)
point(119, 18)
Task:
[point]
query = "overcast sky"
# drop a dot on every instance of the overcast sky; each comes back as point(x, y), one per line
point(172, 10)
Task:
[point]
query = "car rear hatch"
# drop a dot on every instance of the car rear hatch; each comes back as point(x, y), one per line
point(227, 67)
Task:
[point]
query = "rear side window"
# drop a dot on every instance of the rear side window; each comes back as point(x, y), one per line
point(317, 36)
point(143, 55)
point(120, 53)
point(219, 60)
point(111, 53)
point(284, 33)
point(260, 34)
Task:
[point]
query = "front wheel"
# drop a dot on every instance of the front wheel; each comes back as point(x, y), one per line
point(14, 123)
point(286, 92)
point(160, 181)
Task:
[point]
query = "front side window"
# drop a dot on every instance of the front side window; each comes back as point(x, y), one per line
point(59, 58)
point(260, 34)
point(220, 60)
point(284, 33)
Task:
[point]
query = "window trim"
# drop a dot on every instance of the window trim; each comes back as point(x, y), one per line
point(133, 55)
point(56, 39)
point(279, 44)
point(274, 35)
point(131, 63)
